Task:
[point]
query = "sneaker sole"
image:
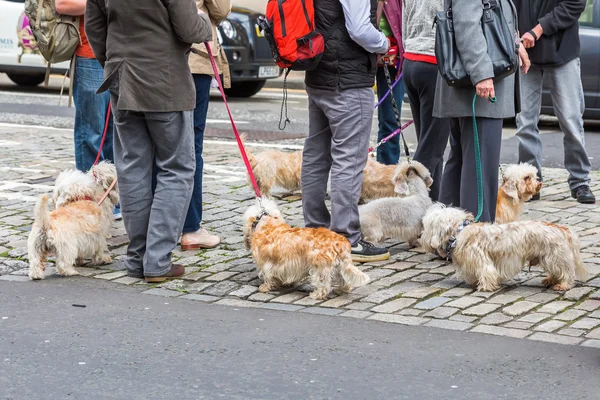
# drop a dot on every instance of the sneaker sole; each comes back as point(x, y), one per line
point(363, 259)
point(188, 247)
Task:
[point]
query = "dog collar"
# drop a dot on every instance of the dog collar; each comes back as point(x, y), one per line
point(452, 241)
point(86, 198)
point(257, 220)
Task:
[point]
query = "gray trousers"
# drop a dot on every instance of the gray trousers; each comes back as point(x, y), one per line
point(459, 183)
point(566, 90)
point(338, 141)
point(153, 222)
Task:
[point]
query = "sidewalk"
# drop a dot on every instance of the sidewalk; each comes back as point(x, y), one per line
point(411, 288)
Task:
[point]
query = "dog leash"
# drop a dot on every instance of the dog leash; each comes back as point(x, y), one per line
point(388, 79)
point(114, 182)
point(397, 131)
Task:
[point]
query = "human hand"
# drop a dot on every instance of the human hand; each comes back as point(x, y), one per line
point(525, 63)
point(528, 40)
point(485, 89)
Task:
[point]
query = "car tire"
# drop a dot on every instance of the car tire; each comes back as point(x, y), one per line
point(27, 79)
point(245, 89)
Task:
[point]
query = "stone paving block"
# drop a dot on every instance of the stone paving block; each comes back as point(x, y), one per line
point(422, 292)
point(422, 258)
point(505, 299)
point(445, 271)
point(383, 295)
point(14, 278)
point(518, 325)
point(237, 303)
point(163, 292)
point(551, 338)
point(441, 312)
point(399, 319)
point(394, 305)
point(550, 326)
point(427, 278)
point(595, 295)
point(360, 306)
point(432, 303)
point(542, 297)
point(340, 301)
point(431, 264)
point(220, 276)
point(595, 334)
point(465, 302)
point(322, 311)
point(555, 307)
point(462, 318)
point(261, 297)
point(357, 314)
point(367, 290)
point(591, 343)
point(198, 286)
point(496, 318)
point(589, 305)
point(112, 275)
point(400, 266)
point(200, 297)
point(570, 315)
point(244, 291)
point(571, 332)
point(127, 280)
point(398, 277)
point(410, 311)
point(519, 308)
point(453, 325)
point(486, 295)
point(577, 293)
point(219, 289)
point(289, 297)
point(280, 306)
point(586, 323)
point(195, 276)
point(458, 292)
point(377, 274)
point(448, 283)
point(83, 271)
point(534, 318)
point(481, 309)
point(501, 331)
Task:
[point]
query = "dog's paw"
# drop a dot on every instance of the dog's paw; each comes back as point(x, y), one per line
point(69, 272)
point(36, 275)
point(562, 287)
point(264, 288)
point(319, 295)
point(549, 281)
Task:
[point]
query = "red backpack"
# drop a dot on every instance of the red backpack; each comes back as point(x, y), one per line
point(289, 27)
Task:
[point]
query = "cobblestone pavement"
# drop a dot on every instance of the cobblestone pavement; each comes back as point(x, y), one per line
point(411, 288)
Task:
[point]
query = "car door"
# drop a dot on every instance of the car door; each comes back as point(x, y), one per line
point(589, 33)
point(10, 12)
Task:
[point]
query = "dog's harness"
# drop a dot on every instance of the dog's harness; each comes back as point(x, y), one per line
point(257, 220)
point(452, 241)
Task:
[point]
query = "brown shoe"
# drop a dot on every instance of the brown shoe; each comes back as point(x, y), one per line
point(200, 239)
point(176, 271)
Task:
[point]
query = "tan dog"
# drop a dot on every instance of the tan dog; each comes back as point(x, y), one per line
point(519, 185)
point(488, 254)
point(78, 228)
point(287, 256)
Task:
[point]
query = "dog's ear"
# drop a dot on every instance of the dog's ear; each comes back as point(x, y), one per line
point(428, 181)
point(510, 188)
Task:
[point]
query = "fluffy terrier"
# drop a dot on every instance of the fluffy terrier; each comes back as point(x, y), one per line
point(286, 256)
point(399, 217)
point(488, 254)
point(520, 183)
point(78, 227)
point(378, 181)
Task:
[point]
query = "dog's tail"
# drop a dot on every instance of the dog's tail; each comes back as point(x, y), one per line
point(580, 271)
point(353, 276)
point(42, 214)
point(36, 243)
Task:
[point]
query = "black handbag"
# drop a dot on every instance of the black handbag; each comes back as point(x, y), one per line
point(501, 45)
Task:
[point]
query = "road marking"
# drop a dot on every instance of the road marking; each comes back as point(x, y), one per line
point(264, 145)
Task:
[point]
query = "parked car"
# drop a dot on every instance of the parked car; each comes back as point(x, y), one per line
point(248, 52)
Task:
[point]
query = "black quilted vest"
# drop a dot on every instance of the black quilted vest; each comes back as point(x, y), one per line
point(345, 65)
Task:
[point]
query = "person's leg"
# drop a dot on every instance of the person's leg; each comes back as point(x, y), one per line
point(90, 114)
point(173, 137)
point(433, 132)
point(316, 163)
point(389, 152)
point(133, 159)
point(451, 178)
point(409, 77)
point(528, 133)
point(569, 104)
point(490, 143)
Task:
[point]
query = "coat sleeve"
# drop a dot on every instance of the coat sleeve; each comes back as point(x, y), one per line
point(96, 29)
point(470, 42)
point(564, 15)
point(218, 10)
point(188, 25)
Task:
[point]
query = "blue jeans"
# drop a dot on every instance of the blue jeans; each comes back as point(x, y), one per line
point(90, 114)
point(388, 153)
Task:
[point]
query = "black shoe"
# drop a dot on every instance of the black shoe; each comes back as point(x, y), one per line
point(366, 252)
point(583, 194)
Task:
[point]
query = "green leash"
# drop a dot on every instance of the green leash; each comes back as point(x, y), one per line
point(478, 169)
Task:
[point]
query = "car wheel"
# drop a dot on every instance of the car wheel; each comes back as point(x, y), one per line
point(27, 80)
point(245, 89)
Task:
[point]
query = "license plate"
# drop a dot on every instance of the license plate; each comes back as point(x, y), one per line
point(268, 72)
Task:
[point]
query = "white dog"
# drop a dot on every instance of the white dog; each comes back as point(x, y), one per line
point(487, 254)
point(286, 256)
point(78, 227)
point(399, 217)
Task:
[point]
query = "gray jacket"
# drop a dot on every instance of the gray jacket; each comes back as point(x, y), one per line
point(453, 102)
point(143, 47)
point(417, 20)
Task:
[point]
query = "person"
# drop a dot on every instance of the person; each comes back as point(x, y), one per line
point(153, 98)
point(390, 24)
point(550, 33)
point(194, 236)
point(340, 108)
point(459, 181)
point(90, 108)
point(420, 72)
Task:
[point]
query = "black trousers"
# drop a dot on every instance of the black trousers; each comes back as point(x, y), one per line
point(432, 133)
point(459, 184)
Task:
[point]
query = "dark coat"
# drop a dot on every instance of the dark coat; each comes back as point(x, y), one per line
point(143, 46)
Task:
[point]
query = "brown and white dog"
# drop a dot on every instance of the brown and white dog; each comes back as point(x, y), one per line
point(520, 184)
point(488, 254)
point(286, 256)
point(78, 227)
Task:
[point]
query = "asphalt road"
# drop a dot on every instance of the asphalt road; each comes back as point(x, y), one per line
point(126, 345)
point(259, 116)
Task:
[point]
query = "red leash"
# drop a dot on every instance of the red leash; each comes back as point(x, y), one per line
point(235, 130)
point(103, 135)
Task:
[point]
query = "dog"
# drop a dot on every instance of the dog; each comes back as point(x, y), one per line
point(378, 181)
point(399, 217)
point(73, 185)
point(287, 256)
point(488, 254)
point(520, 183)
point(78, 227)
